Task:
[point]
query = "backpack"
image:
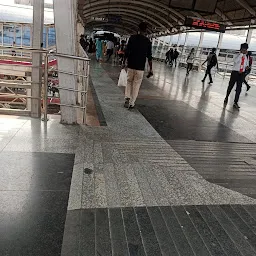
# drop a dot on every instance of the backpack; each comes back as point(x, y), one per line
point(213, 61)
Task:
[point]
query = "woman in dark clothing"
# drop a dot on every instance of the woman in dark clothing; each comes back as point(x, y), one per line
point(91, 46)
point(171, 55)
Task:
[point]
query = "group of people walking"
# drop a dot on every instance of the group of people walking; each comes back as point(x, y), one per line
point(139, 48)
point(241, 68)
point(171, 57)
point(103, 48)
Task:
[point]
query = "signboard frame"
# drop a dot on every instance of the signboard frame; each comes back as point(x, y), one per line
point(204, 24)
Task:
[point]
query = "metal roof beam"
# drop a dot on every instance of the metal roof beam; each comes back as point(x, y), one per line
point(147, 3)
point(124, 22)
point(129, 22)
point(131, 13)
point(223, 16)
point(128, 7)
point(246, 6)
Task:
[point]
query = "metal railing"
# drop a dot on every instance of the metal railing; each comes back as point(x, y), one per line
point(16, 82)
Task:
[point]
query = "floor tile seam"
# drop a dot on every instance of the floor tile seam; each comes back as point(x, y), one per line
point(234, 226)
point(110, 233)
point(125, 233)
point(79, 233)
point(163, 189)
point(83, 187)
point(170, 233)
point(210, 143)
point(115, 181)
point(136, 182)
point(80, 192)
point(215, 237)
point(249, 213)
point(11, 137)
point(186, 235)
point(149, 185)
point(165, 175)
point(153, 226)
point(243, 219)
point(119, 185)
point(234, 244)
point(141, 237)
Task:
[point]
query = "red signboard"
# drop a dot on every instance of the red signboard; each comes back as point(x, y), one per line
point(204, 24)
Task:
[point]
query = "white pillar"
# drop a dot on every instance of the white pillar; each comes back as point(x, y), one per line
point(199, 52)
point(81, 53)
point(249, 36)
point(37, 39)
point(178, 43)
point(170, 43)
point(200, 44)
point(184, 47)
point(219, 43)
point(65, 17)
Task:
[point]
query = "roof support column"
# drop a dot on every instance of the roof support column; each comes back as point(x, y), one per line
point(37, 40)
point(178, 43)
point(199, 49)
point(185, 42)
point(81, 53)
point(219, 43)
point(65, 17)
point(170, 43)
point(249, 36)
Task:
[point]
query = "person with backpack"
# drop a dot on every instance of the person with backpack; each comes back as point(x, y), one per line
point(248, 71)
point(211, 62)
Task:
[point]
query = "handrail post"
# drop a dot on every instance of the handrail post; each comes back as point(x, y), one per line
point(45, 98)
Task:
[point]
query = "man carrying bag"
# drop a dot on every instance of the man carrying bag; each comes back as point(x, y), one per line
point(211, 62)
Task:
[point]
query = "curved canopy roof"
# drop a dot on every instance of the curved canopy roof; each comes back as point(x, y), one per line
point(163, 16)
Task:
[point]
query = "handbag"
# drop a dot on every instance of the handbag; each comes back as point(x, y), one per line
point(122, 81)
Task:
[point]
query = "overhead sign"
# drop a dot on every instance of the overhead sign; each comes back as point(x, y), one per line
point(103, 19)
point(109, 18)
point(204, 24)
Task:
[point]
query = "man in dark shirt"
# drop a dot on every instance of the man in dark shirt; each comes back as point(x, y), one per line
point(139, 48)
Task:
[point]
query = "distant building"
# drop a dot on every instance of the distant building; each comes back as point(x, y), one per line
point(30, 2)
point(24, 2)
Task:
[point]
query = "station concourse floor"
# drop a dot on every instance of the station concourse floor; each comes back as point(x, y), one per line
point(175, 176)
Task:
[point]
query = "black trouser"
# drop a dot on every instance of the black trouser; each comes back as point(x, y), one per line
point(175, 61)
point(208, 72)
point(237, 78)
point(109, 53)
point(245, 75)
point(189, 67)
point(171, 61)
